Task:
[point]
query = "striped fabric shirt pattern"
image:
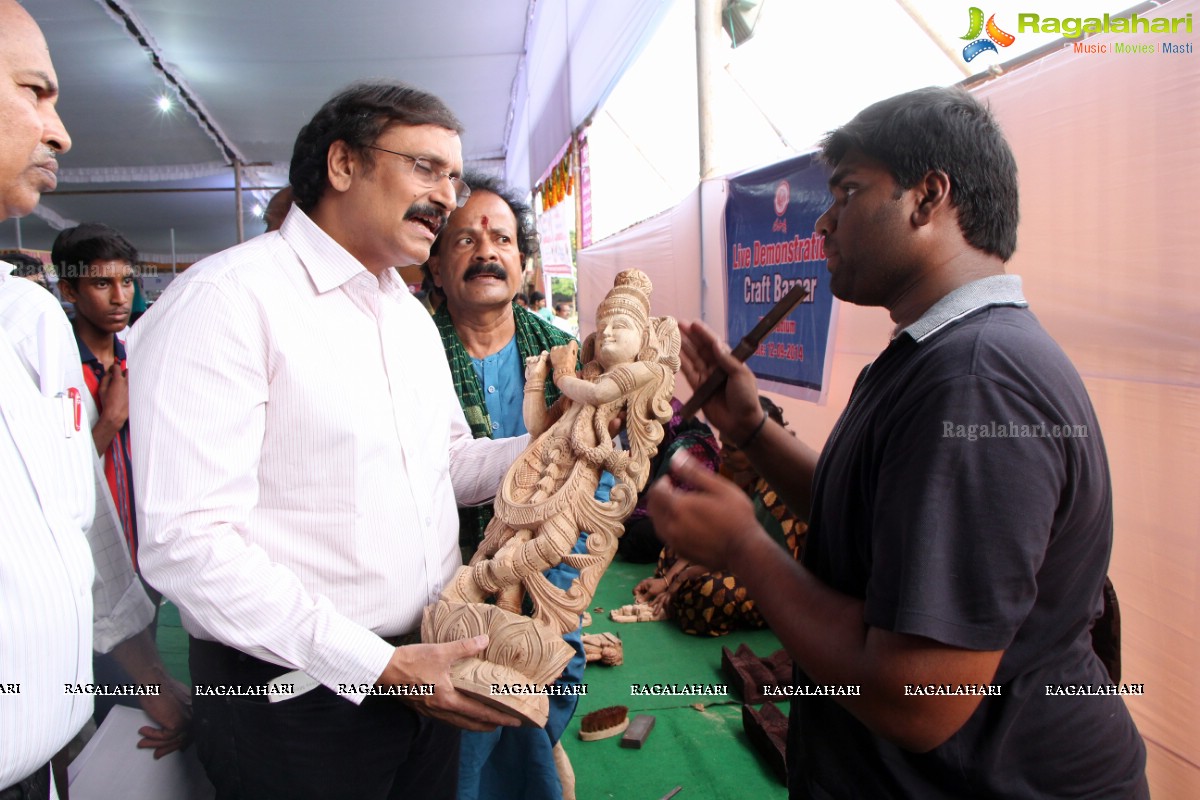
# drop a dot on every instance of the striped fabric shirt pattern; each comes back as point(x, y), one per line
point(298, 454)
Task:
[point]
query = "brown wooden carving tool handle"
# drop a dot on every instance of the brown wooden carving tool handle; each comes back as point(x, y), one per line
point(745, 348)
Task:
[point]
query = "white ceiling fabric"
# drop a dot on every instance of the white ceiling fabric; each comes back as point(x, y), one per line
point(520, 74)
point(578, 49)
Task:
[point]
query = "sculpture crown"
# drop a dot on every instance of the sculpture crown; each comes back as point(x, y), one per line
point(630, 295)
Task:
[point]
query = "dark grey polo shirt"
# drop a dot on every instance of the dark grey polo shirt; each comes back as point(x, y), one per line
point(965, 496)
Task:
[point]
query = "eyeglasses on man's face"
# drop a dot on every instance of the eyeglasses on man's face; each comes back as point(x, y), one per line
point(426, 175)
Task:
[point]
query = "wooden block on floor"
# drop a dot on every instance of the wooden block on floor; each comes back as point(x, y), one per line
point(639, 729)
point(767, 732)
point(748, 675)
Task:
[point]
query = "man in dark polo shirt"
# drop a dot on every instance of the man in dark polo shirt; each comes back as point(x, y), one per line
point(95, 266)
point(960, 512)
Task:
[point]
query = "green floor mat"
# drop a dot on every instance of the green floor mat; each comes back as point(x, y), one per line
point(173, 642)
point(697, 741)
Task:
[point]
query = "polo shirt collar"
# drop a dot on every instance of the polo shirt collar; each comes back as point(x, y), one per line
point(86, 354)
point(994, 290)
point(329, 265)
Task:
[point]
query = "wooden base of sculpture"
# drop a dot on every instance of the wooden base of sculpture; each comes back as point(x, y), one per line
point(522, 657)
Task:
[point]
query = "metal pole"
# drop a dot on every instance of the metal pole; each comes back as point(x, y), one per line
point(952, 53)
point(18, 221)
point(176, 190)
point(708, 33)
point(237, 183)
point(172, 251)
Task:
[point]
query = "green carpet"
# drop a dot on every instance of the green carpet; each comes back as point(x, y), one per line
point(697, 742)
point(173, 642)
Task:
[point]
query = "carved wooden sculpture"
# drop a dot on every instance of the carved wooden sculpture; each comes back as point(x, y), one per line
point(606, 648)
point(547, 498)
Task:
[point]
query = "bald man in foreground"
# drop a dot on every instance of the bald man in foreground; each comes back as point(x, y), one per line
point(52, 576)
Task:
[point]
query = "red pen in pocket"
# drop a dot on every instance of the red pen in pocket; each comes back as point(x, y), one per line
point(76, 407)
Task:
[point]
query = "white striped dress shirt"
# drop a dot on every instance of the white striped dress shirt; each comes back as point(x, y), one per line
point(51, 485)
point(41, 335)
point(298, 447)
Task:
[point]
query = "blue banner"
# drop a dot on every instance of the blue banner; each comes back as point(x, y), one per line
point(770, 216)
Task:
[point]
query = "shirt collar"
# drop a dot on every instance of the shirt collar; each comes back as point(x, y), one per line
point(500, 354)
point(994, 290)
point(329, 265)
point(86, 354)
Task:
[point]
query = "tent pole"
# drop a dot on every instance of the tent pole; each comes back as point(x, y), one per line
point(237, 183)
point(708, 32)
point(951, 53)
point(708, 27)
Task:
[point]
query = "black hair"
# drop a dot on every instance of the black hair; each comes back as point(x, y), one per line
point(943, 129)
point(535, 297)
point(527, 238)
point(26, 265)
point(76, 248)
point(358, 116)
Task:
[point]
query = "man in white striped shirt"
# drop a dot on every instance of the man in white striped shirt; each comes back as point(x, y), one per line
point(298, 456)
point(48, 470)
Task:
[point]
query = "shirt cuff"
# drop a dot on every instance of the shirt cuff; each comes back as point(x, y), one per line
point(128, 617)
point(347, 656)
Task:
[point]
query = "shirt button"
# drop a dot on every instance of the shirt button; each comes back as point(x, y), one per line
point(491, 390)
point(495, 426)
point(428, 521)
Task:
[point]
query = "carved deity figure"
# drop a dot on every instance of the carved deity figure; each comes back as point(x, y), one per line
point(548, 497)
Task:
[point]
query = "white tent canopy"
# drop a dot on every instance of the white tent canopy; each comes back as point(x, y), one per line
point(244, 77)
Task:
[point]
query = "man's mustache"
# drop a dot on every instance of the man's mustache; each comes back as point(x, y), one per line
point(429, 212)
point(495, 270)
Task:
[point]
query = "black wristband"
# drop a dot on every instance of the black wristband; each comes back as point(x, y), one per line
point(754, 435)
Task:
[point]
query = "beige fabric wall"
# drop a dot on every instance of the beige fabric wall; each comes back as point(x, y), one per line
point(665, 247)
point(1108, 148)
point(1109, 152)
